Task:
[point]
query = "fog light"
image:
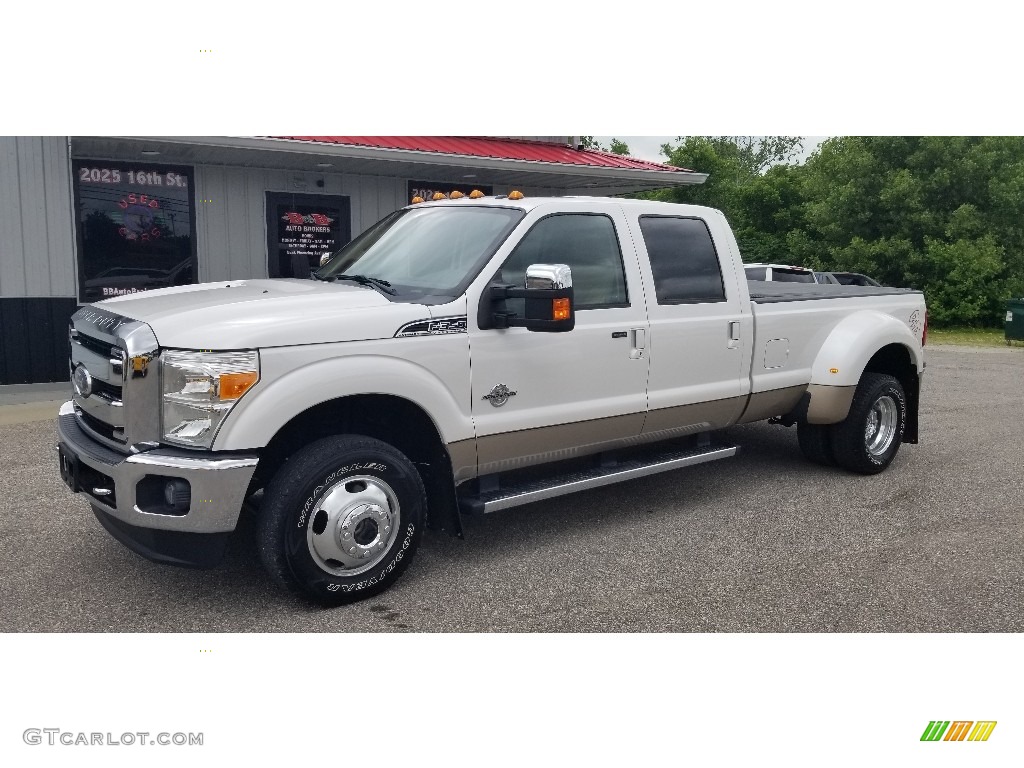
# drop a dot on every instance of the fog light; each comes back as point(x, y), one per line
point(177, 494)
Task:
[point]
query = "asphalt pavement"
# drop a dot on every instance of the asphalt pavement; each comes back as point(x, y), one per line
point(761, 542)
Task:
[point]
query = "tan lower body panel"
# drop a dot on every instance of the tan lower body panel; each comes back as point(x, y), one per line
point(829, 405)
point(463, 456)
point(523, 448)
point(774, 402)
point(512, 450)
point(664, 423)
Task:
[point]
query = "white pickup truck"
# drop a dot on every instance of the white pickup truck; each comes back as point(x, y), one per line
point(462, 357)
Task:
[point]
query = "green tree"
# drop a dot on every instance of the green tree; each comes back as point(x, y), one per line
point(619, 147)
point(752, 180)
point(938, 213)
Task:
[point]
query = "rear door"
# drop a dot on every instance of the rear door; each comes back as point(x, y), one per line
point(544, 396)
point(701, 326)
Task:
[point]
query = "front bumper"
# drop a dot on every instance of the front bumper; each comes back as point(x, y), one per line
point(121, 491)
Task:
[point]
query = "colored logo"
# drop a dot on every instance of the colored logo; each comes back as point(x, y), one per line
point(139, 217)
point(318, 219)
point(958, 730)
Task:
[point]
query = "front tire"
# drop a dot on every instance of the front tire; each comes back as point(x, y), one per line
point(868, 439)
point(342, 519)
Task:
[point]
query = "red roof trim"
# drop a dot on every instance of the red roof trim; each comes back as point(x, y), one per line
point(502, 149)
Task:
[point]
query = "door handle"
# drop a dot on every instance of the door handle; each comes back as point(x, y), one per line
point(734, 334)
point(638, 339)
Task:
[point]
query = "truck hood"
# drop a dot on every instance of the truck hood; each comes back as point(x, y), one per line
point(248, 314)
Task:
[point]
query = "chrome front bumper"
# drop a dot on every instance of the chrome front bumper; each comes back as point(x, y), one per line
point(218, 483)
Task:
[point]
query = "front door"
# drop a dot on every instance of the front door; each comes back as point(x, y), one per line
point(540, 397)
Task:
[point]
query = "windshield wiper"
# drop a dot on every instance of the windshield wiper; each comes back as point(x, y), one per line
point(374, 282)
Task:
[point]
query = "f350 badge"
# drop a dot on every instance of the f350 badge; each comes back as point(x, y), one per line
point(499, 395)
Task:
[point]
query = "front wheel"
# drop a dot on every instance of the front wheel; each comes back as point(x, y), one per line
point(342, 519)
point(868, 439)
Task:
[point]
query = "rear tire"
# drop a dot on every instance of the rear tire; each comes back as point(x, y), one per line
point(815, 443)
point(866, 442)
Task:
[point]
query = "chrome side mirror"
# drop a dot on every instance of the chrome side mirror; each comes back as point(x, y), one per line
point(548, 301)
point(548, 276)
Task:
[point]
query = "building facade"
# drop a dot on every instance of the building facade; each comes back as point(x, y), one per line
point(83, 219)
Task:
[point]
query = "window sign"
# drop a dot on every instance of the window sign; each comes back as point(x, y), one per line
point(426, 189)
point(136, 227)
point(302, 228)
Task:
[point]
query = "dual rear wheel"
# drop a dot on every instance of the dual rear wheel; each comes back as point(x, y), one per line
point(867, 440)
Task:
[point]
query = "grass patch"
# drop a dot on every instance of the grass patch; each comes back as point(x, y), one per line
point(974, 337)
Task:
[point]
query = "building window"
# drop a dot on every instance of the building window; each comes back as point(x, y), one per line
point(302, 229)
point(136, 227)
point(683, 260)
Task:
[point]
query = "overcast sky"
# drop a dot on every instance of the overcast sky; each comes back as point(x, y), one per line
point(649, 147)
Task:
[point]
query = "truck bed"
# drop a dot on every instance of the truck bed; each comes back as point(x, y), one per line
point(762, 292)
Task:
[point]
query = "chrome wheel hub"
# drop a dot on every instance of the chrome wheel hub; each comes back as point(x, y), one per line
point(880, 428)
point(353, 525)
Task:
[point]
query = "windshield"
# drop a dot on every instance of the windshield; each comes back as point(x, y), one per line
point(428, 251)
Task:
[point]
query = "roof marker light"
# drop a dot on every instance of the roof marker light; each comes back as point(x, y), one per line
point(439, 196)
point(515, 194)
point(475, 194)
point(417, 199)
point(455, 195)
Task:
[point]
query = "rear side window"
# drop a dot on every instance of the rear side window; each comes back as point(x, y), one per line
point(588, 244)
point(757, 273)
point(683, 260)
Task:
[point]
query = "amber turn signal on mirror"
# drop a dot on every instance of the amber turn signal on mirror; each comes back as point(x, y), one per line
point(560, 309)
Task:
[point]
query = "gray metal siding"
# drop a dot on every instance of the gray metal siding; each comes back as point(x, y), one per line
point(231, 214)
point(37, 243)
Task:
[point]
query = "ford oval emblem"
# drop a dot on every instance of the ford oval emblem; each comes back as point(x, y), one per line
point(81, 380)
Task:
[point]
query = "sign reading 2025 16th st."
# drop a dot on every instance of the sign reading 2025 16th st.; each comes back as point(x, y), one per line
point(135, 227)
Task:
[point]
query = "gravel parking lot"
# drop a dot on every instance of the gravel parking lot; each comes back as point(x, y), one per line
point(762, 542)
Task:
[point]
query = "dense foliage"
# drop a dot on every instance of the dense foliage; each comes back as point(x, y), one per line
point(939, 213)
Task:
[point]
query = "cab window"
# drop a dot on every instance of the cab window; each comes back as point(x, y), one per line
point(683, 260)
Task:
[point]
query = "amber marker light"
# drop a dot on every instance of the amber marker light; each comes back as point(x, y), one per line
point(456, 195)
point(234, 385)
point(560, 309)
point(417, 199)
point(833, 370)
point(475, 194)
point(439, 196)
point(515, 194)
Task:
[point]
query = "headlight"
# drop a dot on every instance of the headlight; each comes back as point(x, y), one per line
point(199, 389)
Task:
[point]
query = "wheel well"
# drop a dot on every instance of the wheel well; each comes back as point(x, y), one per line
point(394, 420)
point(895, 361)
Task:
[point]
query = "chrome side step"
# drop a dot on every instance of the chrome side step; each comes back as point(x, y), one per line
point(514, 495)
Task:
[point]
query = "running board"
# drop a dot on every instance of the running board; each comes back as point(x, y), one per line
point(514, 495)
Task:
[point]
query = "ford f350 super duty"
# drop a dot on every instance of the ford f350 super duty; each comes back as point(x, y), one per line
point(463, 357)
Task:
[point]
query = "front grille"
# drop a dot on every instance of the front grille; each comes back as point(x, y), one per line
point(104, 388)
point(98, 346)
point(99, 427)
point(121, 356)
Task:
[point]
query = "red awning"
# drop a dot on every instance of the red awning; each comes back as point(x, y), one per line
point(506, 149)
